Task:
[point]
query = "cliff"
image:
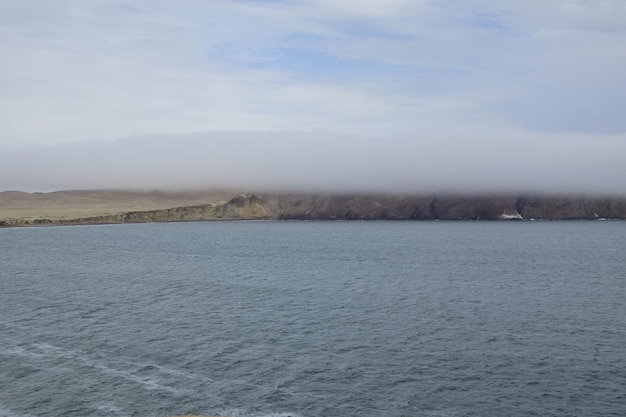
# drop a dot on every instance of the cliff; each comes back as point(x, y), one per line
point(442, 207)
point(249, 206)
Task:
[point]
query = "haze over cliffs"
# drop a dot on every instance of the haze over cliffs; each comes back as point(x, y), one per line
point(104, 207)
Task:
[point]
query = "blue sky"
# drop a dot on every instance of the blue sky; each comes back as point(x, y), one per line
point(78, 71)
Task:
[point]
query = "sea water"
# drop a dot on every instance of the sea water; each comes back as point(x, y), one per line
point(310, 319)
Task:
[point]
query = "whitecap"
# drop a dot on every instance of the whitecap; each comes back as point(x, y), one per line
point(5, 412)
point(46, 350)
point(112, 409)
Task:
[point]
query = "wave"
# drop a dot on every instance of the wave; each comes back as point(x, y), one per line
point(149, 376)
point(237, 412)
point(6, 412)
point(111, 409)
point(119, 367)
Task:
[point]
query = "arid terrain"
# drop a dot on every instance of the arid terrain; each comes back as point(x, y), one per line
point(74, 204)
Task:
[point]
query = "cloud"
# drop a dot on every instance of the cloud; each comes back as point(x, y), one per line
point(444, 77)
point(95, 70)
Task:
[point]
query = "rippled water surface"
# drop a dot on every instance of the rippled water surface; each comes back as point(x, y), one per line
point(314, 319)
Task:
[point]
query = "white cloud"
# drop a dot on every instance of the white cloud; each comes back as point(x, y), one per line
point(83, 70)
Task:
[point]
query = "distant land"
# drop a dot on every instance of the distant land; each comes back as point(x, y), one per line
point(74, 207)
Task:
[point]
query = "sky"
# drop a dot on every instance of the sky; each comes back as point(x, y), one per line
point(398, 95)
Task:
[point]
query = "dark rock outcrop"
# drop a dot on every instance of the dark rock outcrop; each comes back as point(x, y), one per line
point(571, 208)
point(347, 207)
point(473, 208)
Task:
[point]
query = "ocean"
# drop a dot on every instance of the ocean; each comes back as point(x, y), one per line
point(307, 319)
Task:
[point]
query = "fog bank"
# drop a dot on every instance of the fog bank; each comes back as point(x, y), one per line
point(321, 161)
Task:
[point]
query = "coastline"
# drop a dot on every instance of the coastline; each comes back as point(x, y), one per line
point(75, 207)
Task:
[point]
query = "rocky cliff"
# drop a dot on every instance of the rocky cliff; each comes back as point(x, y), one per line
point(442, 207)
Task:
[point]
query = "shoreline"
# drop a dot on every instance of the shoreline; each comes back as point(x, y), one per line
point(73, 208)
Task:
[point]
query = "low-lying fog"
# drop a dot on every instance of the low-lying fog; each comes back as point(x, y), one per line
point(323, 161)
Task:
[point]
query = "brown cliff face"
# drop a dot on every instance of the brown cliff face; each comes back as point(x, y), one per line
point(241, 207)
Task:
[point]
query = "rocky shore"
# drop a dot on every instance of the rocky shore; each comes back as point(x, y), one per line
point(292, 206)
